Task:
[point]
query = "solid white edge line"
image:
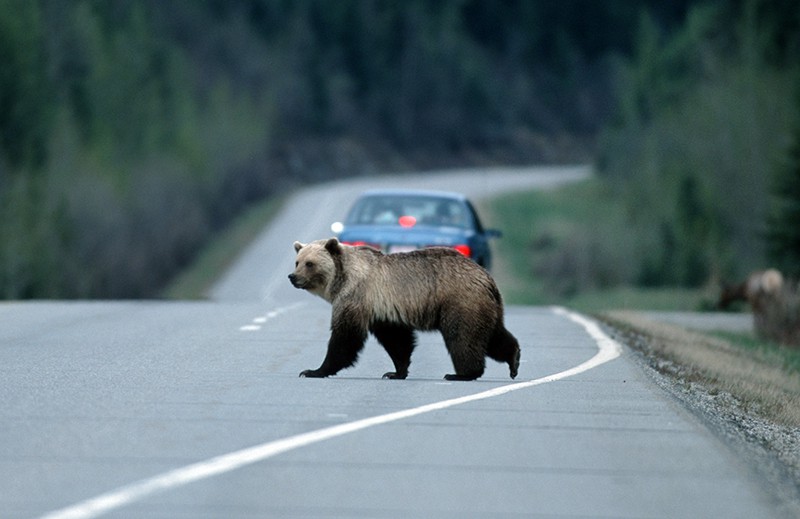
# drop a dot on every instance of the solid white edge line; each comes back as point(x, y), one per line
point(608, 349)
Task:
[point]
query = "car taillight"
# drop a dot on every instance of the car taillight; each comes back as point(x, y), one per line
point(464, 249)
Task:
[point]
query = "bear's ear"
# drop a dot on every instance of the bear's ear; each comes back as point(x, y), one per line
point(332, 246)
point(298, 246)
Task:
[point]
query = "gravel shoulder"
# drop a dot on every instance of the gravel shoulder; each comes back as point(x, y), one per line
point(747, 399)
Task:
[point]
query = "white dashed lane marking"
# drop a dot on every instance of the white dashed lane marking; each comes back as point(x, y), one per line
point(256, 324)
point(608, 350)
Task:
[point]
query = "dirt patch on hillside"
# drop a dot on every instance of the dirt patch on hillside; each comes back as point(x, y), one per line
point(748, 399)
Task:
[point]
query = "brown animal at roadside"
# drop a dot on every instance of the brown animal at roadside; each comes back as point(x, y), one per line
point(756, 290)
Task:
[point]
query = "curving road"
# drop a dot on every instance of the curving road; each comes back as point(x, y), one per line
point(194, 409)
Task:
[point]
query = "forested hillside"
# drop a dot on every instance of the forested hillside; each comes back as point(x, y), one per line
point(131, 131)
point(701, 138)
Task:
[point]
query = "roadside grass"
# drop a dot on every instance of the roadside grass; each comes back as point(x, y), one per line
point(762, 378)
point(526, 267)
point(785, 356)
point(519, 215)
point(221, 251)
point(632, 298)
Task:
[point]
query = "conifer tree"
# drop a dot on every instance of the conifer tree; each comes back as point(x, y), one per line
point(783, 225)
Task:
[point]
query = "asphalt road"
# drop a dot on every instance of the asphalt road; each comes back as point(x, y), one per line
point(194, 409)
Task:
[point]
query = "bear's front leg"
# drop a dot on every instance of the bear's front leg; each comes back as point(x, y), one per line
point(399, 342)
point(346, 341)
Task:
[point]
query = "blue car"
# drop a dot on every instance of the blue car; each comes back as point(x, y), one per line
point(405, 220)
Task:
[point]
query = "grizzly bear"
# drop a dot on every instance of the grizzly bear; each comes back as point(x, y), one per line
point(392, 295)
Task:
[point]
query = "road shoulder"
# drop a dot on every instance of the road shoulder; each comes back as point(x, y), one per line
point(748, 401)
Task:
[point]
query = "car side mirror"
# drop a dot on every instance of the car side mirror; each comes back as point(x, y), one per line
point(493, 233)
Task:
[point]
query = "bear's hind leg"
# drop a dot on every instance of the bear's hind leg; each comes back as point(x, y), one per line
point(399, 343)
point(504, 348)
point(467, 354)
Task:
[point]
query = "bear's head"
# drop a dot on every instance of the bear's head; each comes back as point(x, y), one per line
point(315, 266)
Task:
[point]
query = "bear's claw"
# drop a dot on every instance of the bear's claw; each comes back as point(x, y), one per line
point(394, 376)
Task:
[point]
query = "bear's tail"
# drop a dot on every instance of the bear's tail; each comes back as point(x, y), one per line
point(504, 348)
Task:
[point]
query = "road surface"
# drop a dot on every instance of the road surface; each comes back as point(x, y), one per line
point(194, 409)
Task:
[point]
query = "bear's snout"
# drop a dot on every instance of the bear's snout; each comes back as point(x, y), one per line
point(298, 281)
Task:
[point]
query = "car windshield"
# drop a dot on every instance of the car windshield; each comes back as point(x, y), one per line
point(408, 211)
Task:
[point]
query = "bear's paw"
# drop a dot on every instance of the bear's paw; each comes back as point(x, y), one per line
point(456, 376)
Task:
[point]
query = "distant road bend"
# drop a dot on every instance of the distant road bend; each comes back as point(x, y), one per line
point(194, 409)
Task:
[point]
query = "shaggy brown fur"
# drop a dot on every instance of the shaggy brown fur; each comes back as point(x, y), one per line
point(393, 295)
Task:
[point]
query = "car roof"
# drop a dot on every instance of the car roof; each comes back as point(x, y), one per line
point(414, 192)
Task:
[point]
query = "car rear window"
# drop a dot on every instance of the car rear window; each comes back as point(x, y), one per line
point(423, 210)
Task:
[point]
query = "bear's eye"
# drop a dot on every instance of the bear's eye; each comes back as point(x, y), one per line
point(309, 264)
